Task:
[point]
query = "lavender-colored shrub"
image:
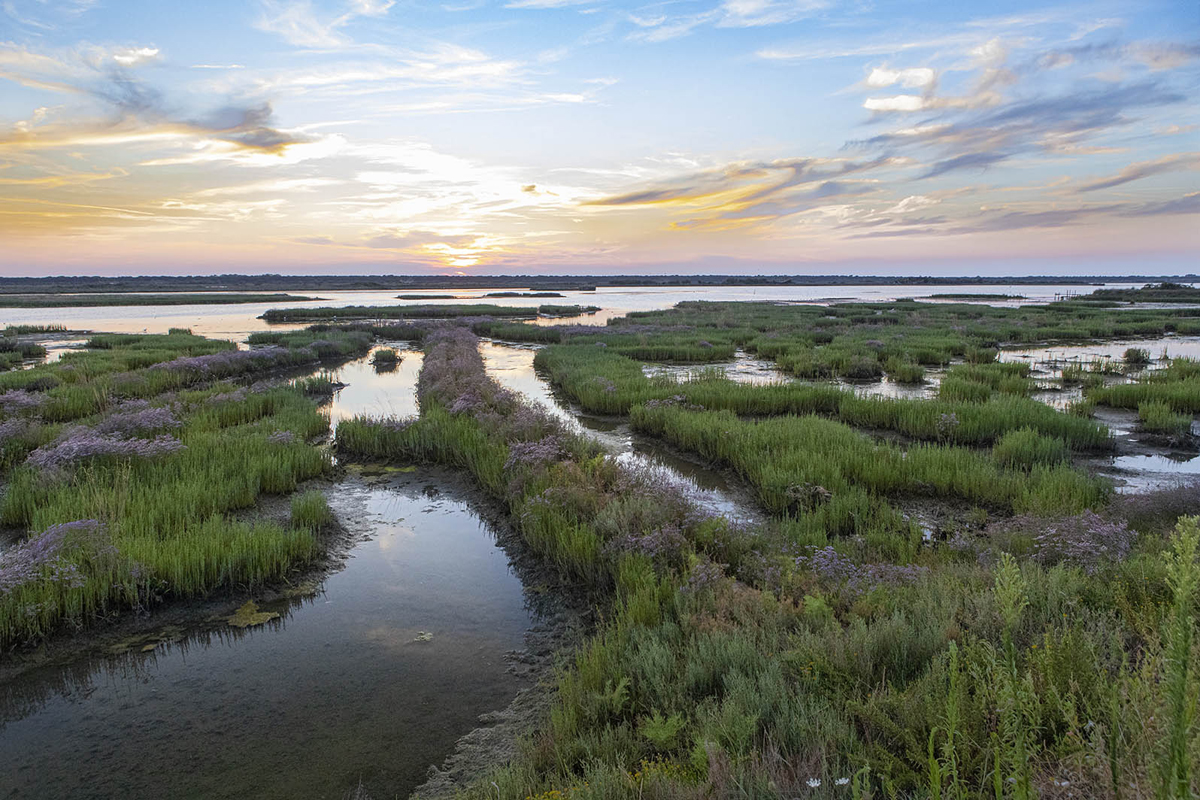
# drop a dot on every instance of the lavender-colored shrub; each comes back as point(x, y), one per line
point(18, 400)
point(80, 444)
point(1086, 540)
point(837, 571)
point(47, 556)
point(534, 454)
point(138, 422)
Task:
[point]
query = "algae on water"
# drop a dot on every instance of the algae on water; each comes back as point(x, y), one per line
point(248, 616)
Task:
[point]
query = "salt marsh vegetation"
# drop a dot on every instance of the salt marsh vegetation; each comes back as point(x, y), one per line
point(1036, 638)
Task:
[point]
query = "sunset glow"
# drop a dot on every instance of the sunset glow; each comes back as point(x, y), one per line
point(569, 135)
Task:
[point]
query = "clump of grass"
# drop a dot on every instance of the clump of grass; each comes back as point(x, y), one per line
point(311, 511)
point(1026, 448)
point(904, 371)
point(1183, 575)
point(385, 356)
point(323, 384)
point(1158, 417)
point(1137, 357)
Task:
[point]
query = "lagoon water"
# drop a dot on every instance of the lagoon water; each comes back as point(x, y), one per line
point(236, 322)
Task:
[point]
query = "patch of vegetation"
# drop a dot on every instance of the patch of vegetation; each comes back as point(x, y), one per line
point(566, 311)
point(385, 355)
point(1150, 293)
point(311, 511)
point(125, 464)
point(606, 382)
point(1158, 417)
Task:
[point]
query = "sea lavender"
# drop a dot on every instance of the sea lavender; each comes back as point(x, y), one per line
point(705, 575)
point(534, 454)
point(18, 400)
point(45, 556)
point(230, 362)
point(82, 444)
point(947, 424)
point(13, 429)
point(1087, 540)
point(138, 422)
point(674, 401)
point(662, 544)
point(836, 570)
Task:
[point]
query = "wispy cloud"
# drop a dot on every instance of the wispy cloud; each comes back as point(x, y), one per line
point(1144, 169)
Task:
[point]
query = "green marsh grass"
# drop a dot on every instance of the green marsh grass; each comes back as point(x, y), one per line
point(778, 677)
point(169, 520)
point(609, 383)
point(1158, 417)
point(311, 511)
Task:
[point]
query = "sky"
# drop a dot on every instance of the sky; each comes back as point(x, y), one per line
point(595, 136)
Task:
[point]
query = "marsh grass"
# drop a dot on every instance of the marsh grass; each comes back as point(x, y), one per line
point(829, 657)
point(609, 383)
point(311, 511)
point(1158, 417)
point(169, 521)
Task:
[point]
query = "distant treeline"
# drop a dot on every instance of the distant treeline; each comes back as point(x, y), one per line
point(541, 283)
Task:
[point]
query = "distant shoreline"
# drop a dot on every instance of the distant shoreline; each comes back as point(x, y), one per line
point(557, 283)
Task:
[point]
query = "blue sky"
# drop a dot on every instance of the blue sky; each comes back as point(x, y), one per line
point(569, 135)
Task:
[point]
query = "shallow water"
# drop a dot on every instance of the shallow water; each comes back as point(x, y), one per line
point(378, 391)
point(512, 366)
point(745, 368)
point(339, 689)
point(236, 322)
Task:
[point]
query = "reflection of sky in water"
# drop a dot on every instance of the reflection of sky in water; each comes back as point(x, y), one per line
point(236, 322)
point(513, 368)
point(305, 707)
point(1146, 472)
point(378, 392)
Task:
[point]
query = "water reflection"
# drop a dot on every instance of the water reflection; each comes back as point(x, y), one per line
point(512, 366)
point(236, 322)
point(341, 688)
point(372, 391)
